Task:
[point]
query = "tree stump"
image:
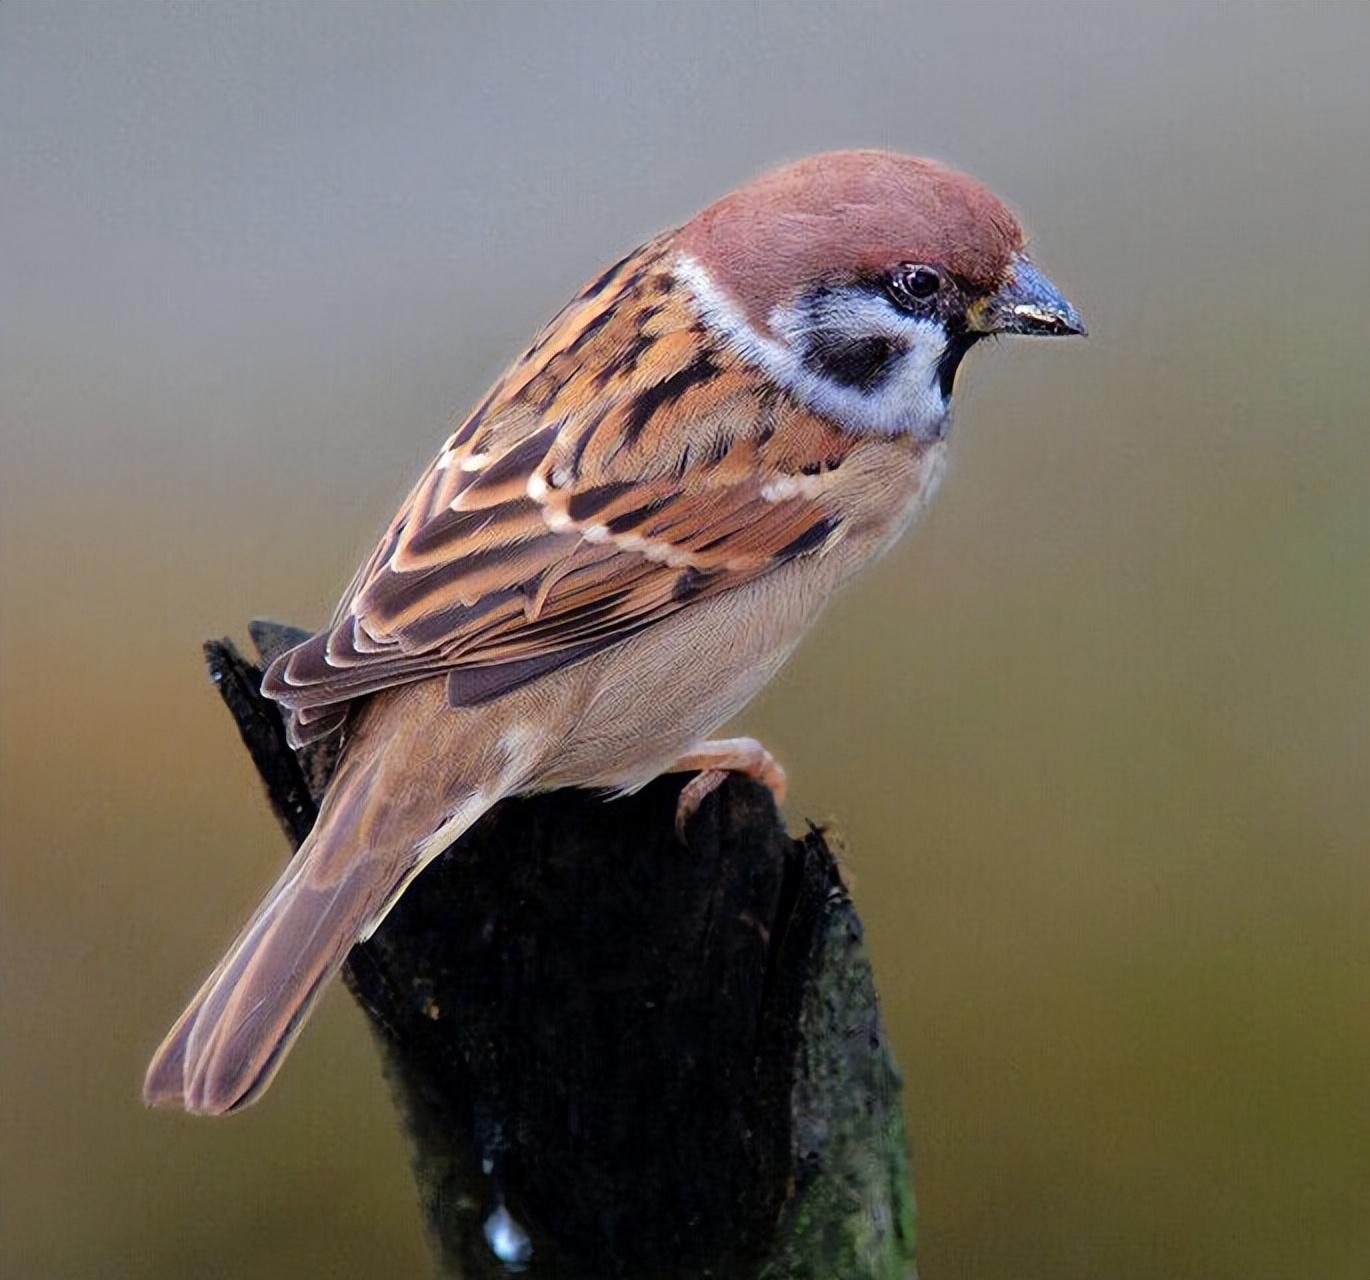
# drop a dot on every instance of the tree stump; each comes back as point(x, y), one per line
point(620, 1055)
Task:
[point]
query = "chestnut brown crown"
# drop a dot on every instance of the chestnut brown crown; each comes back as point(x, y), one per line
point(850, 214)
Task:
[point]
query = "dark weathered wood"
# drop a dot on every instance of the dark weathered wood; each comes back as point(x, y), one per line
point(619, 1055)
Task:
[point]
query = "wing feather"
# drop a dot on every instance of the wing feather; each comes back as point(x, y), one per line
point(625, 468)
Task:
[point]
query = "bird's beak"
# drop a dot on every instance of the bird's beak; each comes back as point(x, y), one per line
point(1028, 303)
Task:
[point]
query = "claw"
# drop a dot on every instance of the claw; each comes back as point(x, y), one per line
point(693, 794)
point(715, 760)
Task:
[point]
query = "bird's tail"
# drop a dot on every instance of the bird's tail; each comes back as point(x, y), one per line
point(228, 1044)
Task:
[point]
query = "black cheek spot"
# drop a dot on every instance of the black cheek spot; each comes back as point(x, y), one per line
point(862, 363)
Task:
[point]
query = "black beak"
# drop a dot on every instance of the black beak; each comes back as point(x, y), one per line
point(1027, 303)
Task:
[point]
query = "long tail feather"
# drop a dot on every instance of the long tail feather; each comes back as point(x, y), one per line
point(229, 1043)
point(164, 1085)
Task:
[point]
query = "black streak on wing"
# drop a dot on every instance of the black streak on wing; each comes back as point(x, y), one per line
point(578, 452)
point(718, 449)
point(598, 283)
point(650, 399)
point(468, 428)
point(766, 418)
point(448, 529)
point(688, 585)
point(626, 360)
point(589, 502)
point(630, 520)
point(434, 628)
point(812, 538)
point(520, 460)
point(589, 331)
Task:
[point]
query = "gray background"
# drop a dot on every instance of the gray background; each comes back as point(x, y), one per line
point(1096, 734)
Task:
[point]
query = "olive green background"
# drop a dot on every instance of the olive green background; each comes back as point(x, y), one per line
point(1096, 734)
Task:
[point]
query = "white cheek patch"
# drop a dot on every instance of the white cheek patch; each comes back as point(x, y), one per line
point(908, 399)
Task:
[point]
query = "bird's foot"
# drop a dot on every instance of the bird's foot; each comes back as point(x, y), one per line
point(715, 761)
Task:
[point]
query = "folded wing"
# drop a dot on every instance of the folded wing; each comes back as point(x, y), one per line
point(626, 467)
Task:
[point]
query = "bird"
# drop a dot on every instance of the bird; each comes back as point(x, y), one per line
point(619, 547)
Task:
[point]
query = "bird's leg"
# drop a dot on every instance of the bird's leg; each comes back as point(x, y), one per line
point(715, 760)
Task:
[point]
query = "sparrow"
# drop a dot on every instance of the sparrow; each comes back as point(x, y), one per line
point(620, 546)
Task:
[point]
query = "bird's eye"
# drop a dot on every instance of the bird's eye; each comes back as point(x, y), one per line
point(911, 285)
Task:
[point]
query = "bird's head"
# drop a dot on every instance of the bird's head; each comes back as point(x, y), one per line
point(860, 279)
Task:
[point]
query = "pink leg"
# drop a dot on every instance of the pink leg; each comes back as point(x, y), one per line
point(715, 760)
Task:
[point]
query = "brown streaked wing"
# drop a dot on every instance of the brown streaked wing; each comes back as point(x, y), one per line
point(657, 472)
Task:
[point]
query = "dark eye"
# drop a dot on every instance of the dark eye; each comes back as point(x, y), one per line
point(911, 285)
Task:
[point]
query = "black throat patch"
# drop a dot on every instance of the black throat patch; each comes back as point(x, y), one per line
point(959, 342)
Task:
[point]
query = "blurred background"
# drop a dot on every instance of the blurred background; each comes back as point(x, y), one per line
point(1096, 735)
